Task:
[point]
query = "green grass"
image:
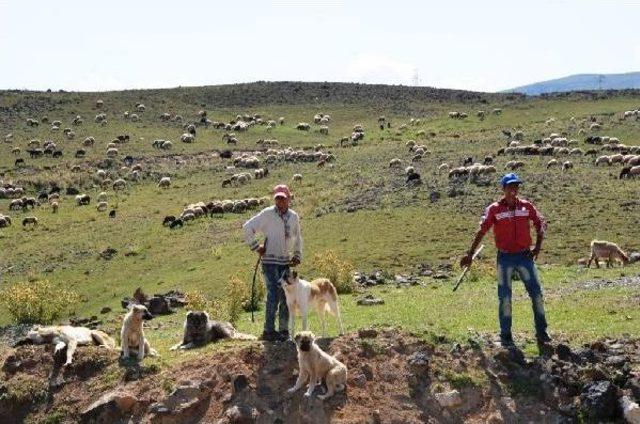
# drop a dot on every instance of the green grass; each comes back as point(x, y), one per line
point(393, 228)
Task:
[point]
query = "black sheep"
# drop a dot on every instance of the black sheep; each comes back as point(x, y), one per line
point(168, 220)
point(177, 223)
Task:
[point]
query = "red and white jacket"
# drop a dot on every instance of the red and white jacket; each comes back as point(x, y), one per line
point(511, 226)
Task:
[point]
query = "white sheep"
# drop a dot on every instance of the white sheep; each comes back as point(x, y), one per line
point(112, 152)
point(102, 206)
point(119, 184)
point(603, 160)
point(552, 162)
point(165, 182)
point(297, 177)
point(443, 167)
point(102, 197)
point(187, 138)
point(395, 163)
point(567, 165)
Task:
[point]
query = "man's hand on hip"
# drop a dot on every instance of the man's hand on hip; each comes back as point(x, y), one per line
point(466, 260)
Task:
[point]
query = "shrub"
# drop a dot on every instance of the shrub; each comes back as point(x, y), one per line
point(238, 294)
point(216, 308)
point(340, 272)
point(39, 302)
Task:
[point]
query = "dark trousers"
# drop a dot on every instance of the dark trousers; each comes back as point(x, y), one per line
point(276, 300)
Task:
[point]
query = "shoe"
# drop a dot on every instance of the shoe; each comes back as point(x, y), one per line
point(543, 337)
point(270, 336)
point(283, 336)
point(507, 341)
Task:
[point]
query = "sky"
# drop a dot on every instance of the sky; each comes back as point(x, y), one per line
point(487, 45)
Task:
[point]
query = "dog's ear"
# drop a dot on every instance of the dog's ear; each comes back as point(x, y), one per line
point(297, 338)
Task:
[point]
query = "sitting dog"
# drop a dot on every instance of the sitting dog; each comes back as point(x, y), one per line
point(199, 330)
point(315, 365)
point(302, 294)
point(132, 334)
point(66, 336)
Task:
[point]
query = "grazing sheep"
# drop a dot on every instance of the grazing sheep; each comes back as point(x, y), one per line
point(324, 130)
point(165, 182)
point(187, 138)
point(112, 213)
point(496, 111)
point(395, 163)
point(54, 207)
point(112, 152)
point(83, 199)
point(608, 250)
point(595, 127)
point(119, 184)
point(413, 179)
point(176, 223)
point(5, 221)
point(16, 205)
point(603, 160)
point(552, 162)
point(567, 166)
point(260, 173)
point(630, 171)
point(443, 167)
point(102, 206)
point(168, 220)
point(32, 220)
point(297, 177)
point(514, 164)
point(303, 126)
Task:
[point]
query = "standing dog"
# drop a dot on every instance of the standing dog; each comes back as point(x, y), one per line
point(66, 336)
point(132, 335)
point(302, 294)
point(315, 365)
point(199, 330)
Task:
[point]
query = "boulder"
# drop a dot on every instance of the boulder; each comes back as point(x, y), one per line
point(111, 408)
point(630, 410)
point(449, 399)
point(186, 404)
point(599, 401)
point(370, 300)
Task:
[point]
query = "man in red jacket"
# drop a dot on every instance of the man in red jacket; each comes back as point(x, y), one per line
point(510, 217)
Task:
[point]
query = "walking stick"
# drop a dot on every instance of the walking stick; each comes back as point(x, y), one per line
point(253, 284)
point(466, 268)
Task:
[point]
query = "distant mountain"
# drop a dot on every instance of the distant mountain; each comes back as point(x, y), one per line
point(581, 82)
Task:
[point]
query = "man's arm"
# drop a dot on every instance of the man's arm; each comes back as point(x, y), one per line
point(466, 260)
point(540, 224)
point(297, 245)
point(251, 228)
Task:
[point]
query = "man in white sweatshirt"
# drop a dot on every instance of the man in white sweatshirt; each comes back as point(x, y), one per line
point(282, 249)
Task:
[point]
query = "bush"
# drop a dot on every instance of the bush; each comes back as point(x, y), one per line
point(216, 308)
point(238, 295)
point(39, 302)
point(340, 272)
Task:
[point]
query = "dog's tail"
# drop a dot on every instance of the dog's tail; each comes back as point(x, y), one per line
point(102, 339)
point(243, 336)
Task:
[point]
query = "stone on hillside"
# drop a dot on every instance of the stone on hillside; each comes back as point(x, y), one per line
point(599, 401)
point(448, 399)
point(630, 410)
point(186, 404)
point(241, 414)
point(110, 408)
point(370, 300)
point(634, 257)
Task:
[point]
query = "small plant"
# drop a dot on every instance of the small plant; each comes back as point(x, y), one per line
point(238, 293)
point(38, 302)
point(340, 272)
point(216, 308)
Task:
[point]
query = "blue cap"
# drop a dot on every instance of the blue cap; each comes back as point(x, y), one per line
point(510, 178)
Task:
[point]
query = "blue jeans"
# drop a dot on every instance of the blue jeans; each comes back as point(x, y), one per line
point(507, 263)
point(276, 300)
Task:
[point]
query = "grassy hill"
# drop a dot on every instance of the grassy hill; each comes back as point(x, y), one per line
point(358, 206)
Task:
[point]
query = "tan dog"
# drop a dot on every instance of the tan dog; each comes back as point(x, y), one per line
point(66, 336)
point(302, 295)
point(199, 330)
point(315, 364)
point(132, 334)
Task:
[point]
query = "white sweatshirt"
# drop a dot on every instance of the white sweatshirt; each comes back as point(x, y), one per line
point(282, 233)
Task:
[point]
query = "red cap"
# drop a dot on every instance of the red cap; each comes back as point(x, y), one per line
point(281, 190)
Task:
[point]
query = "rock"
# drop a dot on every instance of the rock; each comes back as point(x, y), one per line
point(634, 257)
point(367, 370)
point(370, 300)
point(241, 414)
point(110, 408)
point(634, 385)
point(599, 401)
point(616, 361)
point(105, 310)
point(419, 363)
point(108, 253)
point(359, 380)
point(240, 382)
point(440, 275)
point(186, 404)
point(159, 305)
point(630, 410)
point(367, 333)
point(563, 351)
point(448, 399)
point(508, 357)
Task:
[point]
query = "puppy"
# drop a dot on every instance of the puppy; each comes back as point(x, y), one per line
point(199, 330)
point(132, 334)
point(315, 365)
point(66, 336)
point(302, 295)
